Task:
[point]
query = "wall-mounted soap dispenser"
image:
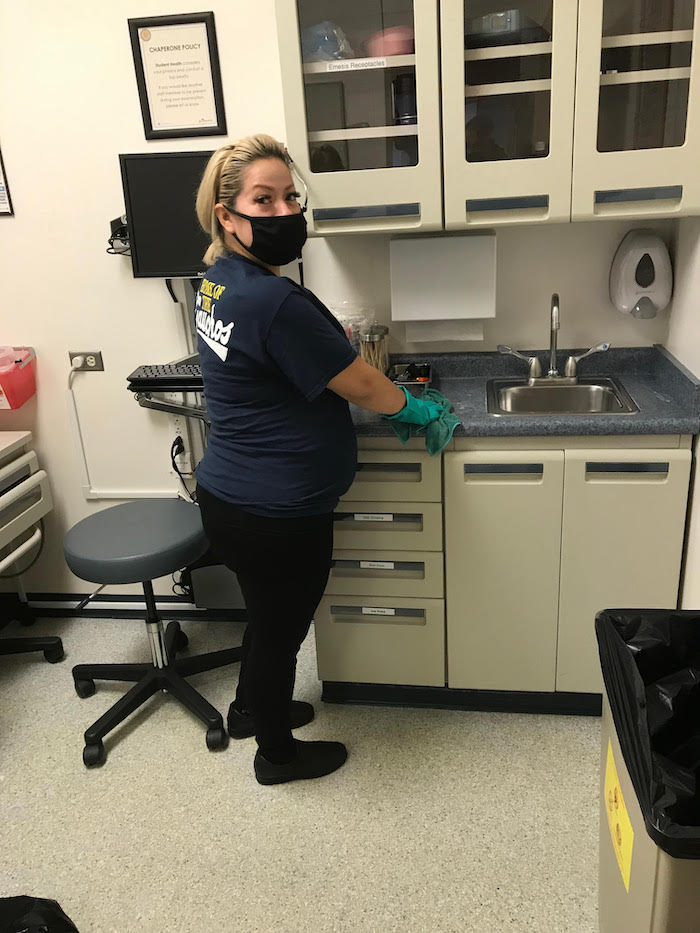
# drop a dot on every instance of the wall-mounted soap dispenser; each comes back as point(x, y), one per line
point(641, 276)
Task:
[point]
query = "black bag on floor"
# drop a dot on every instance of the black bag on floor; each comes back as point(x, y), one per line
point(33, 915)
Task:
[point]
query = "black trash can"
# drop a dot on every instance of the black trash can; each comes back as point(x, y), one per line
point(650, 771)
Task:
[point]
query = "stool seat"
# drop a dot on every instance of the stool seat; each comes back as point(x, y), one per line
point(135, 542)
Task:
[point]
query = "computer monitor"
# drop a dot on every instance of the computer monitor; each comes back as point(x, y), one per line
point(160, 189)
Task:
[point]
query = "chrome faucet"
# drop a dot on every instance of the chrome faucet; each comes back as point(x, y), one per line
point(535, 374)
point(554, 327)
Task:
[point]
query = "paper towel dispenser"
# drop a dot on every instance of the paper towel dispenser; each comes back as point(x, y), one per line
point(445, 285)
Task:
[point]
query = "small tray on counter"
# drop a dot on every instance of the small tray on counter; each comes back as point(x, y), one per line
point(416, 377)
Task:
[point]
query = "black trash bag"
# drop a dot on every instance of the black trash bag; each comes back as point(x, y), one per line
point(650, 660)
point(33, 915)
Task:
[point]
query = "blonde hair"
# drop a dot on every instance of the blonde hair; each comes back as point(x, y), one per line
point(223, 181)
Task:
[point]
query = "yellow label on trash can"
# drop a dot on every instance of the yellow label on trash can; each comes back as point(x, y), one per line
point(621, 831)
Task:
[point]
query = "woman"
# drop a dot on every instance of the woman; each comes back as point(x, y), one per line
point(278, 374)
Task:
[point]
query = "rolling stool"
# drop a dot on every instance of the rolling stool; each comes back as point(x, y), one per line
point(136, 543)
point(51, 645)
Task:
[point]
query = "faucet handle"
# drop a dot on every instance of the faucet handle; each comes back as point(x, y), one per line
point(573, 361)
point(535, 365)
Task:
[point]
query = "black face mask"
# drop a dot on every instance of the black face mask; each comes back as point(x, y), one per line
point(277, 240)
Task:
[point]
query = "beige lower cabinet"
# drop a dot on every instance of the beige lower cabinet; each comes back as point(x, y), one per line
point(381, 639)
point(622, 544)
point(537, 542)
point(502, 545)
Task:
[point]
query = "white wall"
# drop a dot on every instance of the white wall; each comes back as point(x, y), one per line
point(684, 343)
point(532, 262)
point(69, 106)
point(61, 135)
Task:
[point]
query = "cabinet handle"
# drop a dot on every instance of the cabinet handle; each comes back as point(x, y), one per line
point(22, 489)
point(380, 518)
point(649, 469)
point(533, 471)
point(414, 468)
point(630, 195)
point(507, 204)
point(25, 461)
point(389, 566)
point(378, 613)
point(366, 211)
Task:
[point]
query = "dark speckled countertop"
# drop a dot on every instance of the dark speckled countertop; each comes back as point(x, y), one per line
point(667, 394)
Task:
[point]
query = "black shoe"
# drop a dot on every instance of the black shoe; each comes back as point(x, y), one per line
point(241, 725)
point(312, 760)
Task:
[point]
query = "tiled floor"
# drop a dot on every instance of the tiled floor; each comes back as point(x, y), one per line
point(439, 821)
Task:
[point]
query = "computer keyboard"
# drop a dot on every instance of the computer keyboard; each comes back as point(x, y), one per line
point(167, 377)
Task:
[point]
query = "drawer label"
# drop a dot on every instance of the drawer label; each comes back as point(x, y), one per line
point(356, 64)
point(376, 611)
point(376, 564)
point(373, 517)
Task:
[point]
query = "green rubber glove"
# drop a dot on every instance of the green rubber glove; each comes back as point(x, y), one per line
point(416, 411)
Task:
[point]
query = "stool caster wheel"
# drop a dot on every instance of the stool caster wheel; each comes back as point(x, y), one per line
point(94, 755)
point(181, 641)
point(84, 688)
point(55, 654)
point(217, 738)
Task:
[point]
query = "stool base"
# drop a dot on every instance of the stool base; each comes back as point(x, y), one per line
point(148, 679)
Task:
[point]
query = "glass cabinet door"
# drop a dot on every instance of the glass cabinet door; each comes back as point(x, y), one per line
point(359, 67)
point(508, 80)
point(368, 94)
point(508, 93)
point(646, 53)
point(636, 63)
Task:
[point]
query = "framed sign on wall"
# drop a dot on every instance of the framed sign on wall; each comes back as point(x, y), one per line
point(177, 73)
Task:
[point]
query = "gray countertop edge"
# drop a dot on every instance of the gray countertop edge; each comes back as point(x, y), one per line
point(666, 392)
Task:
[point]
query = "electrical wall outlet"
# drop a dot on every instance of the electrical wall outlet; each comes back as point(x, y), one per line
point(181, 428)
point(92, 360)
point(184, 459)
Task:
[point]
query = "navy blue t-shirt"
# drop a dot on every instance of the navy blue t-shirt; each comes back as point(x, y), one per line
point(281, 443)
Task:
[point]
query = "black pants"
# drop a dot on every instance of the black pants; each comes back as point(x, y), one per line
point(282, 566)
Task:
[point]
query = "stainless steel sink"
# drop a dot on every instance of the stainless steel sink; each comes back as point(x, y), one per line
point(604, 396)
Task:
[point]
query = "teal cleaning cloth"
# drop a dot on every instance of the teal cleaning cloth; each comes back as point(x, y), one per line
point(438, 434)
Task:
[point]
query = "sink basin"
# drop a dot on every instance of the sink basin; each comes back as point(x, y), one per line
point(604, 396)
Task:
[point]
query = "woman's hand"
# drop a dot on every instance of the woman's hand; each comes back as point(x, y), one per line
point(366, 387)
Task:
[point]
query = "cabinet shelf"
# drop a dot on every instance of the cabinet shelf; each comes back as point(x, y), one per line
point(508, 51)
point(509, 87)
point(642, 77)
point(364, 132)
point(343, 65)
point(647, 38)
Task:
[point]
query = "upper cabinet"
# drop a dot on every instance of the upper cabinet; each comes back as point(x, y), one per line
point(637, 136)
point(508, 104)
point(362, 105)
point(547, 110)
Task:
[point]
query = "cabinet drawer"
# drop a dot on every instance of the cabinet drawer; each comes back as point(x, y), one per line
point(382, 640)
point(377, 526)
point(387, 573)
point(400, 476)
